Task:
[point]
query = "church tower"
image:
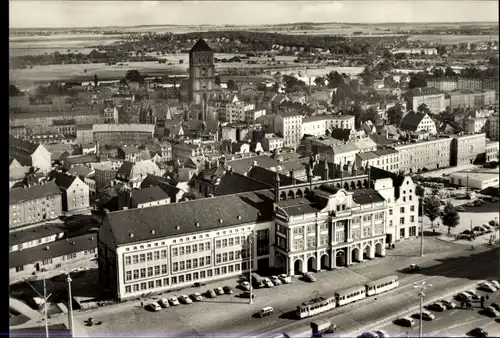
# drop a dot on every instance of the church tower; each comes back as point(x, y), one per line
point(201, 75)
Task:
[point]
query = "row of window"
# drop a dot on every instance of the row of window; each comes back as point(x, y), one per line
point(223, 243)
point(189, 277)
point(150, 256)
point(179, 251)
point(191, 263)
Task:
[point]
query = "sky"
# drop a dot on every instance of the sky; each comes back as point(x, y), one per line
point(57, 14)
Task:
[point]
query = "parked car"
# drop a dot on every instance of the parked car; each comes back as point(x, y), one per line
point(285, 279)
point(412, 268)
point(185, 299)
point(276, 281)
point(495, 283)
point(227, 290)
point(463, 297)
point(448, 303)
point(473, 294)
point(210, 294)
point(266, 311)
point(245, 286)
point(470, 204)
point(196, 297)
point(246, 294)
point(460, 208)
point(405, 321)
point(173, 301)
point(478, 332)
point(219, 291)
point(495, 306)
point(309, 277)
point(437, 306)
point(163, 303)
point(268, 283)
point(154, 307)
point(368, 335)
point(426, 315)
point(487, 287)
point(382, 334)
point(491, 312)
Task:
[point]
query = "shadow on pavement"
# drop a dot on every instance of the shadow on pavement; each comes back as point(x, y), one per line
point(288, 315)
point(481, 265)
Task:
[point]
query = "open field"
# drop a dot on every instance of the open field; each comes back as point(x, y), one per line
point(450, 39)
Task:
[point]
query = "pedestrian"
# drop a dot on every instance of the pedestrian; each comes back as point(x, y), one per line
point(142, 304)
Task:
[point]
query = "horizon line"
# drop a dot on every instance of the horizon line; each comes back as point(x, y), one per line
point(260, 25)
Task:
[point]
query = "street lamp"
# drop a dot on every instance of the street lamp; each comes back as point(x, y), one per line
point(45, 299)
point(250, 245)
point(70, 298)
point(421, 295)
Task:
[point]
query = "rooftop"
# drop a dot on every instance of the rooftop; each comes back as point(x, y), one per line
point(19, 195)
point(149, 194)
point(23, 236)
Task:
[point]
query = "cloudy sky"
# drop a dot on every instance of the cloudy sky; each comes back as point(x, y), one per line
point(46, 13)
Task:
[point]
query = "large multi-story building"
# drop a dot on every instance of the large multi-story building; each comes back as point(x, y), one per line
point(431, 97)
point(201, 73)
point(122, 134)
point(472, 99)
point(289, 126)
point(493, 125)
point(30, 154)
point(383, 158)
point(491, 83)
point(340, 121)
point(418, 122)
point(431, 154)
point(469, 84)
point(45, 119)
point(474, 125)
point(239, 111)
point(443, 84)
point(465, 149)
point(315, 125)
point(492, 148)
point(34, 204)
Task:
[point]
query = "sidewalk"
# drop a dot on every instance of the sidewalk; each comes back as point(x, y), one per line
point(24, 309)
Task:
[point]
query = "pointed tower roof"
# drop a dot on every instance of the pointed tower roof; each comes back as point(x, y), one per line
point(200, 46)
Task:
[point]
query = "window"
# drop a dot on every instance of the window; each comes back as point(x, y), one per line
point(224, 257)
point(128, 289)
point(151, 285)
point(164, 268)
point(208, 260)
point(128, 275)
point(188, 264)
point(143, 273)
point(174, 252)
point(175, 267)
point(298, 231)
point(143, 286)
point(237, 241)
point(298, 244)
point(311, 242)
point(216, 271)
point(231, 241)
point(224, 242)
point(150, 271)
point(390, 223)
point(402, 210)
point(181, 251)
point(188, 250)
point(200, 247)
point(390, 211)
point(135, 259)
point(182, 265)
point(218, 258)
point(47, 261)
point(142, 258)
point(412, 208)
point(223, 270)
point(195, 263)
point(158, 283)
point(128, 260)
point(188, 277)
point(174, 280)
point(201, 260)
point(237, 254)
point(181, 279)
point(412, 219)
point(156, 255)
point(202, 274)
point(149, 256)
point(217, 244)
point(231, 256)
point(195, 248)
point(136, 274)
point(402, 221)
point(135, 287)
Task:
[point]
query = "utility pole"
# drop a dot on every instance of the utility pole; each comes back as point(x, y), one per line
point(421, 296)
point(45, 299)
point(250, 244)
point(70, 300)
point(422, 228)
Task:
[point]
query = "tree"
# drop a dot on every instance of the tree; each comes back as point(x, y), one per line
point(357, 112)
point(438, 72)
point(441, 49)
point(417, 80)
point(13, 91)
point(230, 84)
point(368, 79)
point(334, 79)
point(450, 217)
point(395, 114)
point(449, 72)
point(319, 81)
point(432, 208)
point(355, 85)
point(370, 115)
point(389, 81)
point(134, 76)
point(181, 61)
point(387, 54)
point(423, 109)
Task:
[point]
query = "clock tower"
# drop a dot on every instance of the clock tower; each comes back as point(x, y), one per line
point(201, 74)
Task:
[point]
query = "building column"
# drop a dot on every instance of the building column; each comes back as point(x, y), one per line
point(348, 258)
point(371, 254)
point(349, 231)
point(290, 266)
point(333, 259)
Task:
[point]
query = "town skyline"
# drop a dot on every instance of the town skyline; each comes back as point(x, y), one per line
point(86, 14)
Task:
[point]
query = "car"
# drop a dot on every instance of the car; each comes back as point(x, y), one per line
point(473, 294)
point(246, 294)
point(448, 303)
point(276, 281)
point(227, 290)
point(219, 291)
point(163, 303)
point(495, 283)
point(405, 321)
point(185, 299)
point(470, 204)
point(463, 297)
point(382, 334)
point(486, 226)
point(368, 335)
point(426, 315)
point(309, 277)
point(196, 297)
point(266, 311)
point(154, 307)
point(490, 311)
point(210, 294)
point(245, 286)
point(495, 306)
point(437, 306)
point(268, 283)
point(487, 287)
point(285, 279)
point(460, 208)
point(412, 268)
point(478, 332)
point(173, 301)
point(478, 203)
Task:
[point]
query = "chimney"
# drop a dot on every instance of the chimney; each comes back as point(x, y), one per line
point(292, 175)
point(277, 187)
point(325, 171)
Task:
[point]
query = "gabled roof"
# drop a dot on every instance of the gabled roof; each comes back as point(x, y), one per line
point(411, 121)
point(149, 194)
point(22, 150)
point(200, 46)
point(36, 191)
point(130, 150)
point(268, 176)
point(27, 235)
point(366, 196)
point(165, 184)
point(235, 183)
point(243, 165)
point(137, 225)
point(64, 181)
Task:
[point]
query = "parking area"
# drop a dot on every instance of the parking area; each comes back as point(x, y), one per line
point(455, 322)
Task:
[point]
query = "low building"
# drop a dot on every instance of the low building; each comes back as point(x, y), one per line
point(443, 84)
point(84, 133)
point(65, 127)
point(34, 204)
point(474, 125)
point(419, 155)
point(472, 99)
point(474, 180)
point(20, 132)
point(383, 158)
point(134, 173)
point(35, 237)
point(30, 154)
point(271, 142)
point(143, 198)
point(105, 172)
point(493, 125)
point(173, 189)
point(289, 126)
point(417, 122)
point(57, 255)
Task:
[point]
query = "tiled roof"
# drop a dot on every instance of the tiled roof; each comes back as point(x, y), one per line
point(170, 189)
point(366, 196)
point(137, 225)
point(243, 165)
point(64, 181)
point(268, 176)
point(149, 194)
point(235, 183)
point(36, 191)
point(22, 150)
point(130, 150)
point(56, 249)
point(344, 148)
point(200, 46)
point(23, 236)
point(81, 159)
point(369, 155)
point(385, 151)
point(411, 121)
point(79, 171)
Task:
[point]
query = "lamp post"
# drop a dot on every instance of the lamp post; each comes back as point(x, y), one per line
point(422, 229)
point(45, 299)
point(250, 245)
point(70, 299)
point(421, 295)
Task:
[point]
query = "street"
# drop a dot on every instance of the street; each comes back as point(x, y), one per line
point(448, 267)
